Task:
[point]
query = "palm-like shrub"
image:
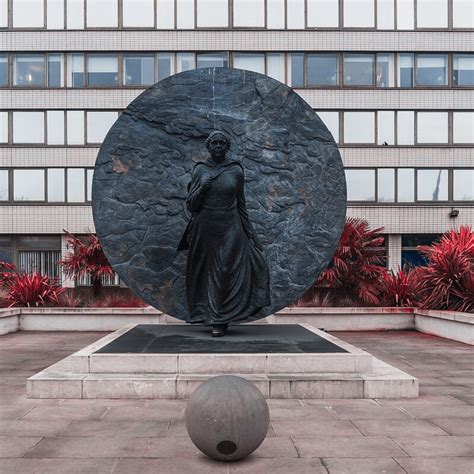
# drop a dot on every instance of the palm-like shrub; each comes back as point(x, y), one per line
point(355, 269)
point(86, 257)
point(447, 280)
point(398, 288)
point(33, 289)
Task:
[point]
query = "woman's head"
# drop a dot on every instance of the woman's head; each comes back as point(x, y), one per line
point(217, 143)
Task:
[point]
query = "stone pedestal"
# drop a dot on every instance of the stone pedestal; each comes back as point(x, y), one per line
point(283, 361)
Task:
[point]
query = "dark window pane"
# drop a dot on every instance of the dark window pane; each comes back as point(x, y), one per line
point(212, 60)
point(412, 258)
point(297, 70)
point(463, 70)
point(413, 240)
point(164, 65)
point(47, 242)
point(102, 70)
point(405, 70)
point(28, 70)
point(431, 70)
point(322, 69)
point(359, 69)
point(138, 70)
point(54, 70)
point(3, 69)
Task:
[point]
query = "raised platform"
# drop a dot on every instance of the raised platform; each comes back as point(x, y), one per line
point(284, 361)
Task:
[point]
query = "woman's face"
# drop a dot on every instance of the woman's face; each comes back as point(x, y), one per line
point(218, 147)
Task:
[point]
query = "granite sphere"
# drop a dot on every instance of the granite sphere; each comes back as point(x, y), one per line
point(227, 418)
point(294, 182)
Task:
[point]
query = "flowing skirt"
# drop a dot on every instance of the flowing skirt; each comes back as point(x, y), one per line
point(227, 277)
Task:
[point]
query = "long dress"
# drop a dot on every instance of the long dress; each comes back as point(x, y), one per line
point(227, 277)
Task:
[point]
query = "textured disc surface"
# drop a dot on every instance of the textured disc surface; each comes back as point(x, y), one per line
point(294, 181)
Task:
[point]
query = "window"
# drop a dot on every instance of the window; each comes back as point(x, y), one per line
point(405, 70)
point(386, 185)
point(385, 14)
point(28, 13)
point(406, 127)
point(463, 127)
point(360, 184)
point(410, 255)
point(102, 13)
point(165, 14)
point(432, 127)
point(3, 127)
point(276, 14)
point(138, 13)
point(56, 188)
point(98, 125)
point(463, 70)
point(405, 185)
point(185, 14)
point(323, 13)
point(28, 70)
point(331, 120)
point(212, 13)
point(55, 70)
point(358, 13)
point(138, 69)
point(3, 14)
point(463, 182)
point(463, 14)
point(359, 69)
point(102, 70)
point(3, 69)
point(55, 127)
point(90, 176)
point(431, 70)
point(165, 65)
point(28, 185)
point(405, 14)
point(359, 127)
point(212, 60)
point(384, 73)
point(296, 69)
point(55, 14)
point(184, 62)
point(432, 185)
point(276, 66)
point(295, 14)
point(76, 68)
point(385, 127)
point(432, 13)
point(28, 127)
point(75, 127)
point(250, 62)
point(75, 14)
point(76, 187)
point(4, 185)
point(322, 69)
point(249, 13)
point(39, 254)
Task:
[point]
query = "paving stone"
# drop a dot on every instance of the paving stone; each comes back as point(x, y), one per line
point(32, 428)
point(255, 465)
point(315, 428)
point(457, 411)
point(437, 465)
point(293, 413)
point(347, 447)
point(437, 445)
point(197, 465)
point(369, 413)
point(117, 428)
point(13, 412)
point(66, 413)
point(89, 447)
point(365, 466)
point(422, 400)
point(16, 447)
point(142, 413)
point(398, 428)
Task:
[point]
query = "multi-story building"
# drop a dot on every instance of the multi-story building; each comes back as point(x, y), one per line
point(392, 79)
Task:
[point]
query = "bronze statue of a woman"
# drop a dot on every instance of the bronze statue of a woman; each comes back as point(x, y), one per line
point(227, 277)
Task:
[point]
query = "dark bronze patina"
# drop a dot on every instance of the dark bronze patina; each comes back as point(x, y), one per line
point(227, 277)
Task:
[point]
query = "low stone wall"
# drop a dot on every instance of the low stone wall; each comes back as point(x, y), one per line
point(447, 324)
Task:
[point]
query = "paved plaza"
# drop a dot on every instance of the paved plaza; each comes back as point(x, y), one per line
point(431, 434)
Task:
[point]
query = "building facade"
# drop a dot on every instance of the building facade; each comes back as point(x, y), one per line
point(392, 79)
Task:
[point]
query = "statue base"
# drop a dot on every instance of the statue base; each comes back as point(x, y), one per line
point(171, 361)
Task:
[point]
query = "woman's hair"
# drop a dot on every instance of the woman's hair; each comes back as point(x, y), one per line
point(214, 134)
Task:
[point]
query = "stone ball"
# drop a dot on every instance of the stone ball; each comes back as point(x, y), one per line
point(227, 418)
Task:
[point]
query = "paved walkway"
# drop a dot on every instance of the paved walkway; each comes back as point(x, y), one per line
point(431, 434)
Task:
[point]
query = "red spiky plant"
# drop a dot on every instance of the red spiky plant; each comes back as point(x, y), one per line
point(352, 276)
point(447, 280)
point(398, 288)
point(86, 257)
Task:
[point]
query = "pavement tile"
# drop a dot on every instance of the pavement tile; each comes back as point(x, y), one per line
point(66, 413)
point(285, 413)
point(455, 426)
point(13, 412)
point(438, 465)
point(255, 465)
point(32, 428)
point(398, 428)
point(365, 466)
point(314, 428)
point(347, 402)
point(197, 465)
point(89, 447)
point(422, 400)
point(347, 447)
point(437, 445)
point(369, 413)
point(19, 465)
point(117, 428)
point(456, 411)
point(142, 414)
point(15, 446)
